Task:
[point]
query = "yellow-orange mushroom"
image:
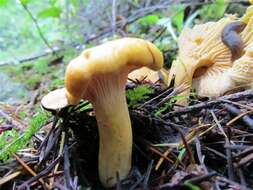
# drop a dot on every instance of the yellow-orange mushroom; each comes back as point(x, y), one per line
point(206, 59)
point(99, 75)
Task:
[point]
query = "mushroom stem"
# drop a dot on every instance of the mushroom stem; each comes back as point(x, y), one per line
point(115, 133)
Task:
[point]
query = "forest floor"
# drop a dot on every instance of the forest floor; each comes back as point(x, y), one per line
point(206, 144)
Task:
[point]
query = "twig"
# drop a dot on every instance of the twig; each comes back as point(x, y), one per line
point(239, 115)
point(54, 123)
point(51, 142)
point(199, 179)
point(137, 183)
point(160, 161)
point(193, 180)
point(218, 124)
point(145, 181)
point(11, 120)
point(237, 147)
point(223, 179)
point(162, 30)
point(169, 90)
point(242, 178)
point(67, 168)
point(199, 153)
point(12, 176)
point(131, 19)
point(245, 160)
point(41, 174)
point(216, 152)
point(34, 57)
point(160, 154)
point(231, 174)
point(37, 27)
point(187, 147)
point(248, 107)
point(29, 169)
point(244, 153)
point(114, 9)
point(62, 142)
point(190, 109)
point(176, 91)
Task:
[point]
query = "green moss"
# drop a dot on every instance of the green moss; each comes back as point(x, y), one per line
point(33, 81)
point(12, 70)
point(12, 141)
point(167, 105)
point(41, 66)
point(56, 83)
point(22, 115)
point(138, 94)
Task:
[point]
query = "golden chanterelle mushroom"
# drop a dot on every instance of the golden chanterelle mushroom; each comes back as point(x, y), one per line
point(99, 75)
point(214, 61)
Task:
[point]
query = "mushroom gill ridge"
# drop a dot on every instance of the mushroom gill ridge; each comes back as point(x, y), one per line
point(208, 63)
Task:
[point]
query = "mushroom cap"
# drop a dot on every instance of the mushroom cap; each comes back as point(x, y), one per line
point(236, 73)
point(205, 63)
point(200, 48)
point(119, 56)
point(55, 100)
point(149, 75)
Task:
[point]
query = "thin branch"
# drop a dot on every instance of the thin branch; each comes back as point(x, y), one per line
point(114, 9)
point(37, 27)
point(193, 108)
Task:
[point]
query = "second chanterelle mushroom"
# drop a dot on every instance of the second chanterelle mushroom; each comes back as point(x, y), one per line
point(216, 57)
point(99, 75)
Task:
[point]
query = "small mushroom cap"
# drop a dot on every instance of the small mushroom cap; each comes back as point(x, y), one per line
point(149, 75)
point(119, 56)
point(55, 100)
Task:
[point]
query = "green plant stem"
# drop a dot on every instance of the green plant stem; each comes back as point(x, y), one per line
point(38, 28)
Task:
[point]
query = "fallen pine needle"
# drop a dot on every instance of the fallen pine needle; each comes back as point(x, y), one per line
point(5, 179)
point(28, 168)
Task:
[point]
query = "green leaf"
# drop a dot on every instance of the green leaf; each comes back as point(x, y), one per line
point(191, 186)
point(220, 7)
point(85, 2)
point(149, 20)
point(3, 3)
point(76, 3)
point(178, 18)
point(53, 12)
point(24, 2)
point(181, 154)
point(214, 11)
point(52, 2)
